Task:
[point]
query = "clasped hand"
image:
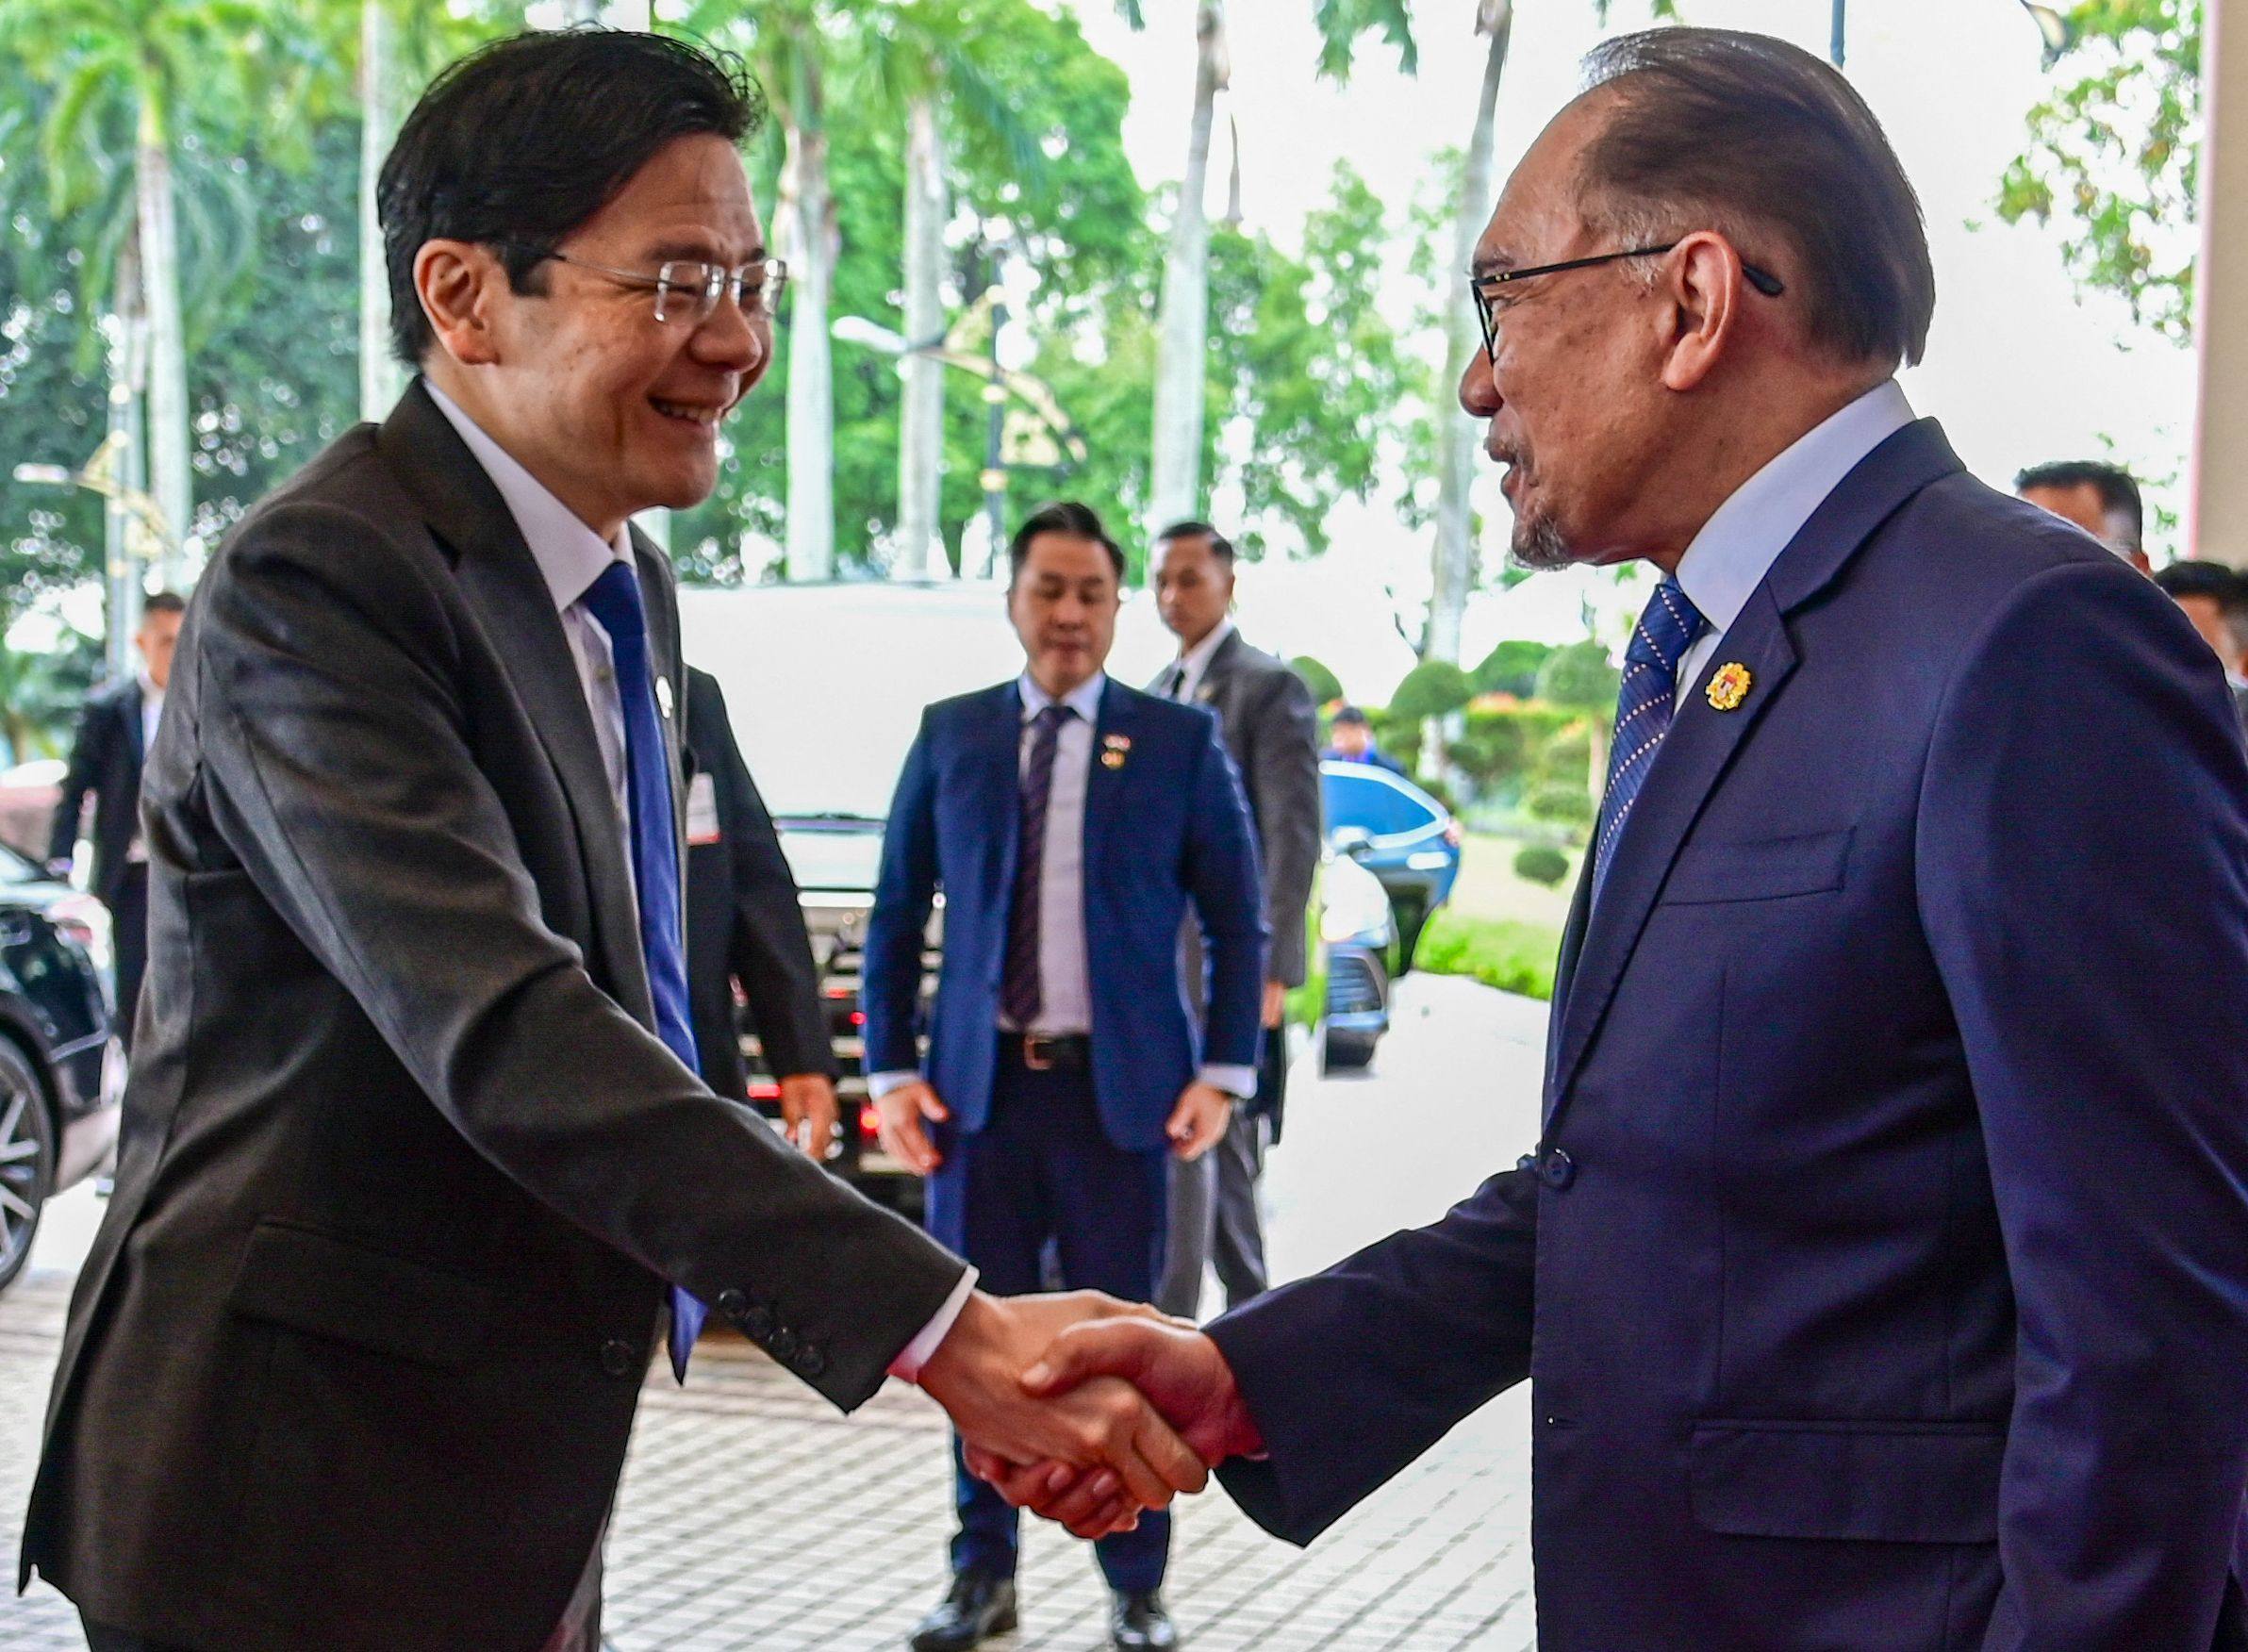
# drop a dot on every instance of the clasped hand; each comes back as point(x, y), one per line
point(1103, 1410)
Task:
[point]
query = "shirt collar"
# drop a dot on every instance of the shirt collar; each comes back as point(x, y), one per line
point(569, 554)
point(1738, 544)
point(150, 693)
point(1196, 659)
point(1084, 699)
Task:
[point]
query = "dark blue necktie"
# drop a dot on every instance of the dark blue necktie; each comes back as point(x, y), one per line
point(1019, 991)
point(615, 601)
point(1666, 630)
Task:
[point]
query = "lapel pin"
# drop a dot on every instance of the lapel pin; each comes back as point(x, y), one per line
point(662, 695)
point(1729, 687)
point(1116, 742)
point(1112, 759)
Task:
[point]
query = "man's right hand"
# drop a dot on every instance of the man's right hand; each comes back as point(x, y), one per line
point(898, 1116)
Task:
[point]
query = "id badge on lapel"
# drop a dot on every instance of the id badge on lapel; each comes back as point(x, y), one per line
point(702, 811)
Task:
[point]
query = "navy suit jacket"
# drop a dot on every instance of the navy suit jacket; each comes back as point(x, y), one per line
point(1166, 826)
point(1882, 1275)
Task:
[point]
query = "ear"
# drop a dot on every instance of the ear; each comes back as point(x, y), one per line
point(1703, 282)
point(459, 284)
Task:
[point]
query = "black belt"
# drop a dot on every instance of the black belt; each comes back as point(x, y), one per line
point(1040, 1052)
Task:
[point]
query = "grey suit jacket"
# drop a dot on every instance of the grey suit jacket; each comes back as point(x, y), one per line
point(1272, 729)
point(403, 1170)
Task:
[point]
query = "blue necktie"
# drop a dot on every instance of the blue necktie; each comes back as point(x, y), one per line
point(615, 601)
point(1020, 992)
point(1666, 630)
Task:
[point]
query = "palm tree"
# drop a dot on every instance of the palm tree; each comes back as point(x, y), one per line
point(1183, 312)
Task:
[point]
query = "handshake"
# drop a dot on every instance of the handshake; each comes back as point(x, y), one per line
point(1085, 1409)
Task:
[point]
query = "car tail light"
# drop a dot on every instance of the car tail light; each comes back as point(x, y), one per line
point(764, 1090)
point(869, 1121)
point(1452, 834)
point(85, 920)
point(858, 1018)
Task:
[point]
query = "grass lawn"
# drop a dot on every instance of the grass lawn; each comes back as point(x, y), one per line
point(1499, 929)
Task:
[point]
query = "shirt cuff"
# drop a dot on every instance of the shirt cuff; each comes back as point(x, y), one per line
point(906, 1367)
point(881, 1085)
point(1237, 1082)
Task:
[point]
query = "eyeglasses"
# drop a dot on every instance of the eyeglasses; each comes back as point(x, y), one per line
point(1764, 281)
point(689, 289)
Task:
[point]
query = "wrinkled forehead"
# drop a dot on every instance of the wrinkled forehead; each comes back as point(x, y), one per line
point(1539, 216)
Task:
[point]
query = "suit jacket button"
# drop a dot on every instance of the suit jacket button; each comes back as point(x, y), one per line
point(758, 1322)
point(810, 1362)
point(783, 1344)
point(1556, 1168)
point(616, 1357)
point(732, 1303)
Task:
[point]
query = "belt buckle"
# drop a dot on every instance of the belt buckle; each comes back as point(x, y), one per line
point(1037, 1052)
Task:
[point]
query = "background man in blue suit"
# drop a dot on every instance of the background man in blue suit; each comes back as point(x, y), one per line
point(1888, 1264)
point(1069, 821)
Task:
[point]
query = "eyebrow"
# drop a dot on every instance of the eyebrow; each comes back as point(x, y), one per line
point(705, 251)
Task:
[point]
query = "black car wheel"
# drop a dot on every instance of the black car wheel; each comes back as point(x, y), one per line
point(26, 1159)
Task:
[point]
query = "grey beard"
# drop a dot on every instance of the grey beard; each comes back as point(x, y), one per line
point(1539, 545)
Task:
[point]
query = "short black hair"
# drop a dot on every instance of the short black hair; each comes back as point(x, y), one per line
point(1716, 128)
point(1351, 715)
point(163, 602)
point(1079, 521)
point(1220, 547)
point(2205, 579)
point(2119, 494)
point(522, 141)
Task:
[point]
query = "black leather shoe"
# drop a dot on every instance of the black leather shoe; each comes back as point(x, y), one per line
point(980, 1604)
point(1140, 1621)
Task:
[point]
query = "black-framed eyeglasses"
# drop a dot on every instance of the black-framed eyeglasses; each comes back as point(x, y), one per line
point(1764, 281)
point(688, 290)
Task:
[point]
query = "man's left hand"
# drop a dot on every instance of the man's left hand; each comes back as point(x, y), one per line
point(1275, 1004)
point(1199, 1121)
point(809, 1112)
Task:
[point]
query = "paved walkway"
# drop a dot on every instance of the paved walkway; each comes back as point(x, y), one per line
point(753, 1516)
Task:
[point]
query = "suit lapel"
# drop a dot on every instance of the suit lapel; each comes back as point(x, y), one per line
point(128, 711)
point(501, 578)
point(997, 758)
point(1104, 781)
point(1700, 747)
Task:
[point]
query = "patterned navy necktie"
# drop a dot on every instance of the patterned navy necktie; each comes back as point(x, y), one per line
point(1666, 630)
point(1019, 991)
point(615, 601)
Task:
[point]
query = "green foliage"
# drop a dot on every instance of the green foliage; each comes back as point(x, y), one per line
point(1512, 668)
point(1541, 862)
point(1499, 750)
point(1581, 677)
point(2115, 156)
point(1498, 951)
point(1325, 686)
point(1431, 689)
point(40, 694)
point(1565, 802)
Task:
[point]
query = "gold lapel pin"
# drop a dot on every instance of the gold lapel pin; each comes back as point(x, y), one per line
point(1729, 687)
point(1116, 742)
point(1112, 759)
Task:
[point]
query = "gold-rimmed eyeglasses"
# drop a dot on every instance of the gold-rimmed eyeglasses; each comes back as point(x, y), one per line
point(688, 290)
point(1483, 287)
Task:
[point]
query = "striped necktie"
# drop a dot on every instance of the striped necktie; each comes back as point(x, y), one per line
point(1666, 630)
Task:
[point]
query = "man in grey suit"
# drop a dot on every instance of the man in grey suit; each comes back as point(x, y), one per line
point(1272, 729)
point(414, 1158)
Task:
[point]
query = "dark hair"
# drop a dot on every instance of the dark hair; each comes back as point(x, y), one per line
point(1220, 547)
point(522, 141)
point(2205, 579)
point(1351, 715)
point(2119, 494)
point(1068, 517)
point(163, 602)
point(1752, 134)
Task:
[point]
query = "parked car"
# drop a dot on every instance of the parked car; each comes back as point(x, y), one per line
point(1398, 832)
point(29, 793)
point(826, 685)
point(1358, 936)
point(61, 1073)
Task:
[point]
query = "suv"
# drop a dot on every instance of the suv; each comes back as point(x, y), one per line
point(61, 1073)
point(825, 744)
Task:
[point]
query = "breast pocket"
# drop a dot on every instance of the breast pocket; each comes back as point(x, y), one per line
point(1769, 869)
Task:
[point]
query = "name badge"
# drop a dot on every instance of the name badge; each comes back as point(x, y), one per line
point(702, 810)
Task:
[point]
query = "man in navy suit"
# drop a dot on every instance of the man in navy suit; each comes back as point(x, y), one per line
point(1069, 821)
point(1887, 1244)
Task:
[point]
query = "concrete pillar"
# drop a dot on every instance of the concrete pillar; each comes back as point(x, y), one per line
point(2217, 525)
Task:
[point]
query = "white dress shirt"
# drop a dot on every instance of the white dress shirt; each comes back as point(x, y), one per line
point(1739, 543)
point(1194, 662)
point(571, 556)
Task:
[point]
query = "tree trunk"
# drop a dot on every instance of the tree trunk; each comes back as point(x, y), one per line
point(809, 212)
point(1175, 484)
point(167, 353)
point(378, 373)
point(1455, 558)
point(921, 428)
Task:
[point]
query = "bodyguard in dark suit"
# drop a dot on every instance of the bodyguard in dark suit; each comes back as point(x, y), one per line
point(1271, 729)
point(412, 1157)
point(106, 757)
point(1881, 1275)
point(744, 924)
point(1070, 823)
